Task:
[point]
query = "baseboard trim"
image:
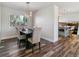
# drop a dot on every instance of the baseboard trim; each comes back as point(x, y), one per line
point(8, 37)
point(47, 39)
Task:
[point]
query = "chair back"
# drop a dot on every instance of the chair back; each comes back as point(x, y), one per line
point(73, 27)
point(19, 35)
point(36, 35)
point(17, 32)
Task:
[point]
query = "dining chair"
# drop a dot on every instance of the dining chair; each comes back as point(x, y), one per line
point(21, 38)
point(35, 38)
point(71, 30)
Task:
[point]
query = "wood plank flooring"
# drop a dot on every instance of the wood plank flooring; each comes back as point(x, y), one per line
point(63, 48)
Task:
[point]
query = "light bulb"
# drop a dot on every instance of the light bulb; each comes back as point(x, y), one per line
point(30, 13)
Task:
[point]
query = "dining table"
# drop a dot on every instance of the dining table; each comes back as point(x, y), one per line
point(28, 33)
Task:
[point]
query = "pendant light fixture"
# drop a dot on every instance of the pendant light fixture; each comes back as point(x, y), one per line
point(28, 11)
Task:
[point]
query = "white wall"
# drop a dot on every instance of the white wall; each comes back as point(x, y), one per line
point(56, 14)
point(0, 22)
point(70, 17)
point(7, 31)
point(46, 19)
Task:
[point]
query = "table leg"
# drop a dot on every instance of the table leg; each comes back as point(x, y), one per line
point(28, 44)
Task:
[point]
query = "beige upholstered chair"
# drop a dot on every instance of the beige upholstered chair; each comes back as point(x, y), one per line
point(20, 37)
point(36, 37)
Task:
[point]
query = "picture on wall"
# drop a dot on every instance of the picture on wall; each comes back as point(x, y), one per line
point(17, 20)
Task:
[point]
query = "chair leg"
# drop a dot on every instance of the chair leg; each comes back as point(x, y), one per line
point(18, 43)
point(32, 48)
point(39, 46)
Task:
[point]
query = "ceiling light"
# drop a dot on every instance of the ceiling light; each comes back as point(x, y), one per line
point(28, 11)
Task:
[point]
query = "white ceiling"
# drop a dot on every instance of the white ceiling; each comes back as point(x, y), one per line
point(68, 6)
point(23, 5)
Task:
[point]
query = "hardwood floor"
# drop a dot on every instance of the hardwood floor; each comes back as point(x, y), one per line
point(62, 48)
